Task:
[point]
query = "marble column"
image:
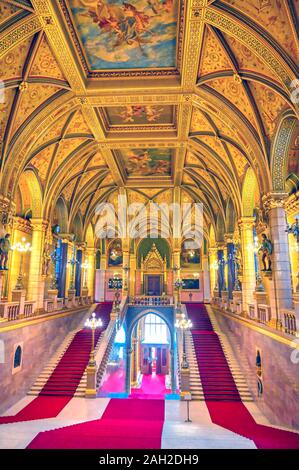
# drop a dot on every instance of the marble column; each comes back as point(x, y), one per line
point(281, 266)
point(230, 250)
point(221, 269)
point(206, 279)
point(36, 283)
point(213, 267)
point(90, 256)
point(249, 279)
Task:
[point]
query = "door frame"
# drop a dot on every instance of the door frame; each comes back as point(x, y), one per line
point(145, 282)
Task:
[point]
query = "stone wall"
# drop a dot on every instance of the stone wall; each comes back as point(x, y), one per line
point(280, 367)
point(39, 342)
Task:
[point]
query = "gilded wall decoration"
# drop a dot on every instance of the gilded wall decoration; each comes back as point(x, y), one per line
point(12, 63)
point(272, 16)
point(45, 64)
point(213, 56)
point(270, 105)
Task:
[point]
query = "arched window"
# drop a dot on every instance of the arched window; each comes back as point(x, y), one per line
point(17, 357)
point(155, 329)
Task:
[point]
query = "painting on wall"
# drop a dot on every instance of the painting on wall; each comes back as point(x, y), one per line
point(190, 256)
point(127, 35)
point(115, 254)
point(147, 162)
point(138, 115)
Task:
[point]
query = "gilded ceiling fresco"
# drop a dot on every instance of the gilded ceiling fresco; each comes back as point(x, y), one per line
point(147, 162)
point(127, 35)
point(138, 115)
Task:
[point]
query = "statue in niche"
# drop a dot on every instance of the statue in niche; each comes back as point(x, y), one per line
point(266, 249)
point(4, 250)
point(46, 262)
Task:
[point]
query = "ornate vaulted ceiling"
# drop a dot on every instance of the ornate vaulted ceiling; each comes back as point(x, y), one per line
point(155, 99)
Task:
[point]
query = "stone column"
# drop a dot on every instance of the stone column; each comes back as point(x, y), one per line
point(230, 264)
point(249, 281)
point(206, 279)
point(221, 269)
point(90, 256)
point(132, 275)
point(213, 267)
point(281, 266)
point(36, 282)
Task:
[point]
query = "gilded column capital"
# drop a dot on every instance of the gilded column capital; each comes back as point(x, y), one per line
point(274, 200)
point(229, 238)
point(39, 225)
point(246, 222)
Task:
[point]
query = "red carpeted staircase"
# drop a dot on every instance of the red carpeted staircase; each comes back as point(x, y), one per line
point(65, 378)
point(216, 377)
point(221, 395)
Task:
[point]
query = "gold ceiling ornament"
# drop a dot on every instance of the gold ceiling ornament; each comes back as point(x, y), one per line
point(59, 44)
point(17, 34)
point(22, 146)
point(235, 28)
point(193, 43)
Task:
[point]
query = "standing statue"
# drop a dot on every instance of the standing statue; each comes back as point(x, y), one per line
point(267, 249)
point(4, 250)
point(46, 262)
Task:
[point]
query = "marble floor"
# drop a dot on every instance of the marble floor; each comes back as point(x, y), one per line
point(201, 433)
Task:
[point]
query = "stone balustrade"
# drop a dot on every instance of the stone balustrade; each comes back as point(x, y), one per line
point(11, 311)
point(151, 300)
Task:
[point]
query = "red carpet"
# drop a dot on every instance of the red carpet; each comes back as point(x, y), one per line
point(222, 397)
point(125, 424)
point(64, 380)
point(152, 386)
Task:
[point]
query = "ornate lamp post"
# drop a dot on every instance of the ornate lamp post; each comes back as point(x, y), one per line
point(179, 284)
point(85, 267)
point(184, 324)
point(294, 230)
point(126, 271)
point(116, 285)
point(93, 323)
point(21, 247)
point(73, 262)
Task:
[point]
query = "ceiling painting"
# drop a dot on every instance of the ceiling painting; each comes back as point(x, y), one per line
point(147, 162)
point(118, 35)
point(122, 118)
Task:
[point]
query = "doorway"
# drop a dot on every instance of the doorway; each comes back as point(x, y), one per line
point(150, 364)
point(153, 285)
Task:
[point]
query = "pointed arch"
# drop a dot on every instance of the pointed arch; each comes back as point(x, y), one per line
point(250, 187)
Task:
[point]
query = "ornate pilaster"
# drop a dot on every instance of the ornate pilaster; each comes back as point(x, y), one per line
point(274, 204)
point(246, 225)
point(90, 257)
point(36, 282)
point(213, 267)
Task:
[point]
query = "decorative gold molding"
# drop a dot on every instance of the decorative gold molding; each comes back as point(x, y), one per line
point(193, 43)
point(59, 44)
point(232, 27)
point(19, 33)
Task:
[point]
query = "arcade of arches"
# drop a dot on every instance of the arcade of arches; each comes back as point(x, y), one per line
point(151, 105)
